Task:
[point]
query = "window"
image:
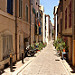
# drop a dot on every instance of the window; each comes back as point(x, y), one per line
point(36, 3)
point(20, 8)
point(66, 18)
point(26, 13)
point(7, 46)
point(70, 9)
point(10, 6)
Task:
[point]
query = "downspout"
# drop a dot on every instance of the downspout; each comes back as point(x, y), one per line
point(30, 22)
point(16, 28)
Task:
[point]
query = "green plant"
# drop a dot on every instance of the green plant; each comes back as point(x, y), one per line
point(55, 43)
point(59, 44)
point(32, 46)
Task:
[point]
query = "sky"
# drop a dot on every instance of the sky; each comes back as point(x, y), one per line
point(49, 6)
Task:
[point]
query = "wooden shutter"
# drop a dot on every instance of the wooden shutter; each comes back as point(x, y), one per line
point(20, 8)
point(66, 18)
point(26, 13)
point(70, 9)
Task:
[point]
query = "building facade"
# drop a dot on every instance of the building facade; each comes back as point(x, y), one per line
point(66, 26)
point(55, 22)
point(41, 9)
point(23, 26)
point(37, 21)
point(50, 31)
point(7, 31)
point(47, 28)
point(15, 30)
point(44, 24)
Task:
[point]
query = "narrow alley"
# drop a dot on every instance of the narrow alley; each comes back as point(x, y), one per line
point(46, 63)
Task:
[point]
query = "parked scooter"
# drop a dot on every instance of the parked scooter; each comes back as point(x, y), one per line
point(29, 51)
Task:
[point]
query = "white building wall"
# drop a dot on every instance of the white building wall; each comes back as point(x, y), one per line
point(47, 29)
point(44, 28)
point(56, 29)
point(50, 31)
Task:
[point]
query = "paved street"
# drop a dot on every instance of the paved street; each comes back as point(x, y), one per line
point(46, 63)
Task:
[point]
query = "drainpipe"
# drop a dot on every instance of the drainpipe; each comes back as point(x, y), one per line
point(16, 28)
point(30, 22)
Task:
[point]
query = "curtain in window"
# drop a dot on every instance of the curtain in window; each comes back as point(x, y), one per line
point(7, 46)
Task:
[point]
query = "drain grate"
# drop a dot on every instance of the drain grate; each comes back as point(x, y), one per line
point(57, 60)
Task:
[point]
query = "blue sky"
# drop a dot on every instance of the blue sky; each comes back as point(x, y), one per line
point(49, 6)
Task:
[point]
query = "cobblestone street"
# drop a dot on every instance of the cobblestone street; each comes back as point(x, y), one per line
point(46, 63)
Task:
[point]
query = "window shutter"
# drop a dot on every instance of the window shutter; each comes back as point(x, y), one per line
point(66, 18)
point(11, 7)
point(26, 13)
point(20, 8)
point(70, 7)
point(39, 30)
point(8, 6)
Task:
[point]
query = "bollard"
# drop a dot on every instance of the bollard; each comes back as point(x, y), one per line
point(11, 68)
point(22, 58)
point(0, 72)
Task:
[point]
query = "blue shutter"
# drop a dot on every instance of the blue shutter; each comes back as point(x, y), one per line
point(8, 6)
point(11, 6)
point(39, 30)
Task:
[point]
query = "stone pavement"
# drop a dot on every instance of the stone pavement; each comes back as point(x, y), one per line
point(19, 66)
point(46, 63)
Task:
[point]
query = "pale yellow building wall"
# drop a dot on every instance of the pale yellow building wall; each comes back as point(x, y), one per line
point(68, 30)
point(7, 26)
point(23, 27)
